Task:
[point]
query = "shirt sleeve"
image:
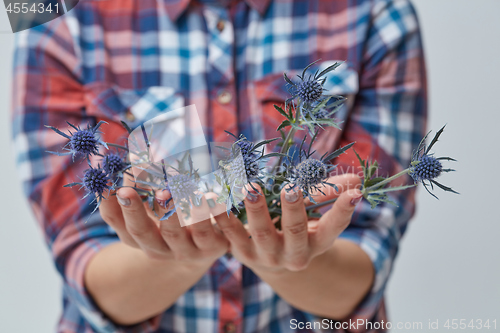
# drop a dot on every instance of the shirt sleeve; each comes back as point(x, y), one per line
point(48, 90)
point(387, 121)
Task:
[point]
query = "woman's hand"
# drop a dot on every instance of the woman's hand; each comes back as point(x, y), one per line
point(300, 240)
point(139, 227)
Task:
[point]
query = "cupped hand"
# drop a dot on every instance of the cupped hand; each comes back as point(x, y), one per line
point(262, 247)
point(137, 226)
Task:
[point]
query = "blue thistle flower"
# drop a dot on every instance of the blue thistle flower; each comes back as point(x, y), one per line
point(425, 168)
point(182, 186)
point(83, 142)
point(309, 90)
point(95, 181)
point(113, 163)
point(249, 166)
point(311, 174)
point(313, 116)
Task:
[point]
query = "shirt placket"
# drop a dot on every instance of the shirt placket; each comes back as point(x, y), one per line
point(223, 100)
point(223, 94)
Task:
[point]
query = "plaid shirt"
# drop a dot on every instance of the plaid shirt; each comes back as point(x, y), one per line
point(134, 59)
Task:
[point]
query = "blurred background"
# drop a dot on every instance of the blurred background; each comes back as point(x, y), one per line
point(449, 261)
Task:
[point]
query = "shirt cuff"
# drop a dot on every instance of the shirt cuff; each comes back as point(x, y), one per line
point(78, 294)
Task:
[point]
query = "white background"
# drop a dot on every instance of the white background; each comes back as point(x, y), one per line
point(448, 266)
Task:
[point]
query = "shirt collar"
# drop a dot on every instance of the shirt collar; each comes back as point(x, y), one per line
point(175, 8)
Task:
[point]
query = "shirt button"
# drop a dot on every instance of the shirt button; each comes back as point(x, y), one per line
point(230, 328)
point(224, 97)
point(220, 25)
point(129, 116)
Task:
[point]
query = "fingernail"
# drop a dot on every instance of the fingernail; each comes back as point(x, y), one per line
point(162, 203)
point(355, 201)
point(123, 201)
point(211, 203)
point(291, 196)
point(252, 196)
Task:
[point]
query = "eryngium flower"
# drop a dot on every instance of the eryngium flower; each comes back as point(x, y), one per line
point(249, 163)
point(425, 168)
point(311, 174)
point(113, 163)
point(309, 91)
point(95, 181)
point(83, 142)
point(182, 186)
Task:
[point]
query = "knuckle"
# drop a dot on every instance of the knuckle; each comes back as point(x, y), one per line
point(262, 235)
point(170, 234)
point(202, 233)
point(136, 232)
point(228, 229)
point(296, 229)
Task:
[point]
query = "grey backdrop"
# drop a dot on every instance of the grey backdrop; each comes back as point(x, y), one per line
point(448, 266)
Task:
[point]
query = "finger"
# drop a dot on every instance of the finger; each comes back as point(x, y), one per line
point(294, 223)
point(112, 214)
point(342, 183)
point(235, 233)
point(335, 220)
point(203, 232)
point(177, 236)
point(261, 227)
point(139, 225)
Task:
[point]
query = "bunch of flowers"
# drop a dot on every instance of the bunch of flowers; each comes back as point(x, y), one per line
point(293, 164)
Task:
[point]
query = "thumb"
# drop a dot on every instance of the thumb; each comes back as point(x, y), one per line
point(335, 220)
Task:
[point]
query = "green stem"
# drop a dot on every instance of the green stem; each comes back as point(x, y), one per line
point(324, 203)
point(386, 181)
point(289, 137)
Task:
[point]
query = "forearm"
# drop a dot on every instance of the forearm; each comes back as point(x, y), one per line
point(331, 286)
point(130, 287)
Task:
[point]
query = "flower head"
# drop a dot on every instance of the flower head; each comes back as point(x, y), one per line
point(309, 90)
point(425, 168)
point(95, 181)
point(308, 107)
point(310, 174)
point(182, 186)
point(248, 166)
point(113, 163)
point(83, 142)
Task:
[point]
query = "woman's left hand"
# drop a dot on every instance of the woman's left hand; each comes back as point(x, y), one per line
point(300, 240)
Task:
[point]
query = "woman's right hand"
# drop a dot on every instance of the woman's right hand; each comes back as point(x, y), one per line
point(137, 226)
